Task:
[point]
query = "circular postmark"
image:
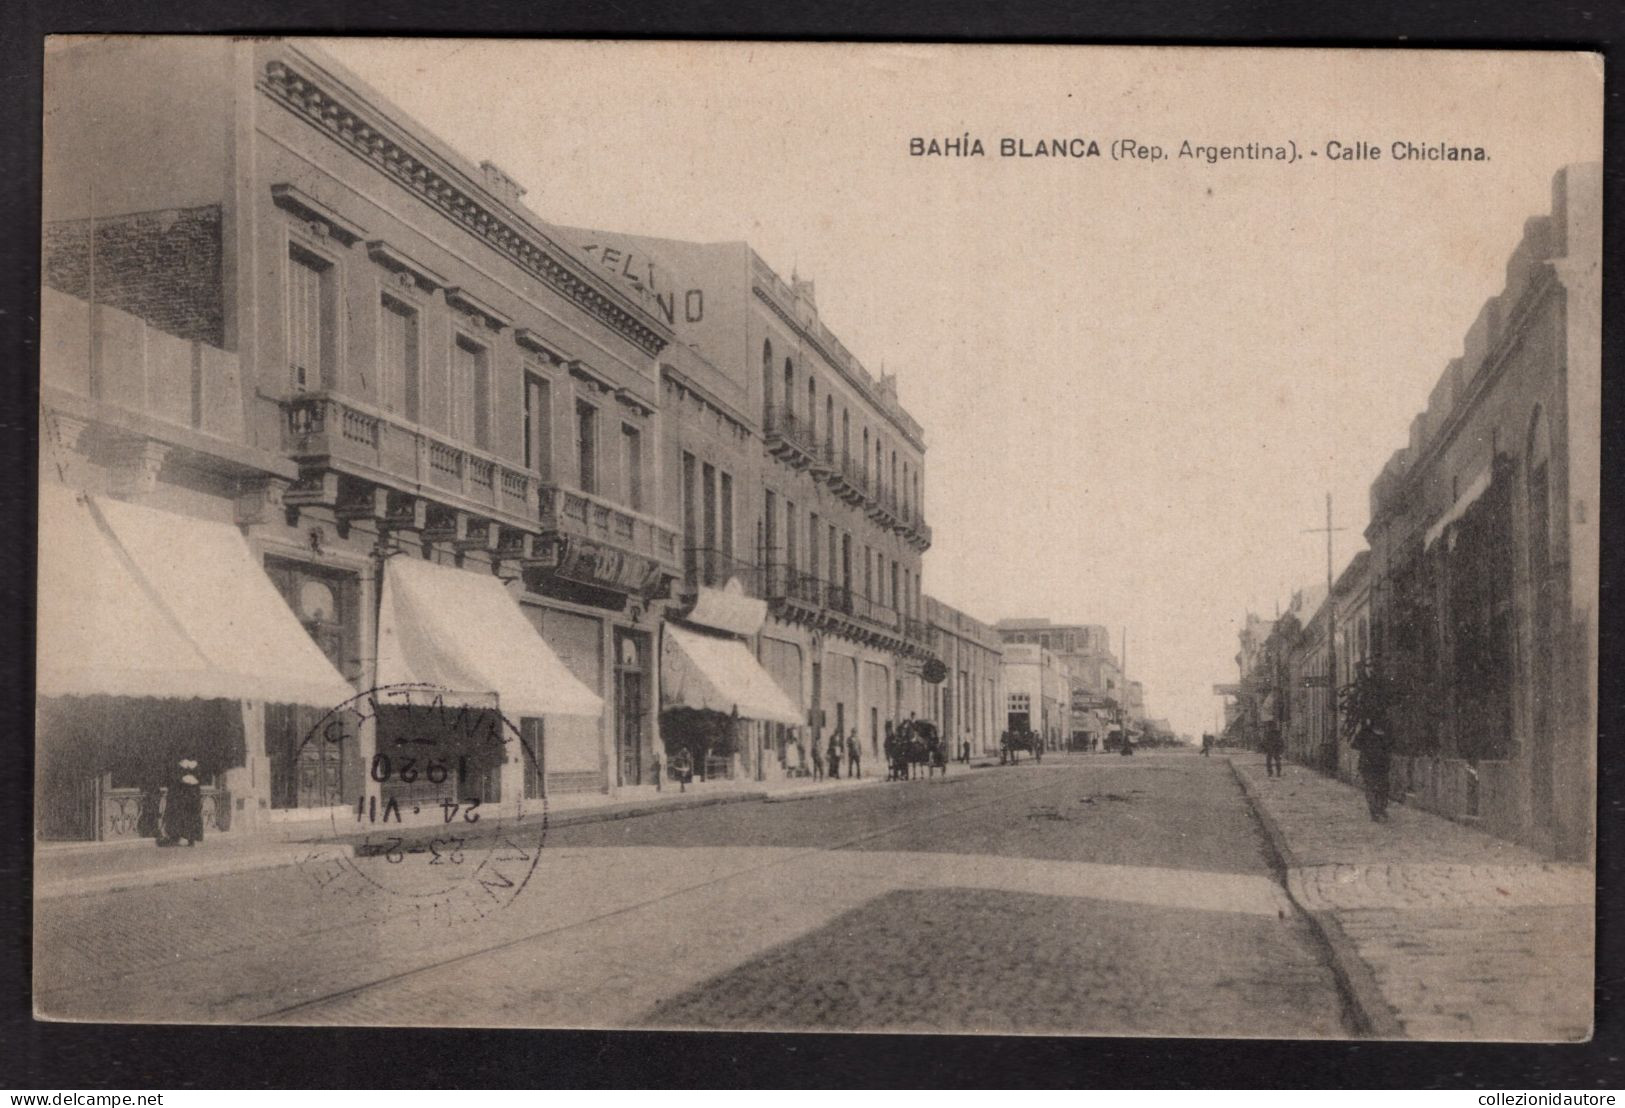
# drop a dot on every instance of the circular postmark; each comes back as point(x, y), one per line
point(430, 816)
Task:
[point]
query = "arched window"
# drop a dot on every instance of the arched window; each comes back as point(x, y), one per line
point(767, 379)
point(880, 465)
point(789, 388)
point(829, 421)
point(846, 436)
point(812, 408)
point(905, 487)
point(866, 455)
point(893, 485)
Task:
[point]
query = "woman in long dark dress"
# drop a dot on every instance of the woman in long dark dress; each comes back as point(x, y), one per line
point(183, 813)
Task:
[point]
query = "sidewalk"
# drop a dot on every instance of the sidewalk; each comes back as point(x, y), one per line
point(1436, 930)
point(78, 869)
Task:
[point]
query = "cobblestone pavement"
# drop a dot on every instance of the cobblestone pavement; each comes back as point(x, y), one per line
point(1091, 897)
point(1466, 936)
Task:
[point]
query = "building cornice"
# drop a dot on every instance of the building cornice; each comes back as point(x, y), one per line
point(837, 364)
point(370, 140)
point(1543, 284)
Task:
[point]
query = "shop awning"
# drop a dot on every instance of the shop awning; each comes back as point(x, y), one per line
point(463, 633)
point(698, 671)
point(139, 602)
point(728, 609)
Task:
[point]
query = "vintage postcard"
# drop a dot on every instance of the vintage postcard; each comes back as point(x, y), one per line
point(818, 537)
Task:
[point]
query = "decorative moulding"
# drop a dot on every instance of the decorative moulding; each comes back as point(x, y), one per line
point(461, 201)
point(393, 259)
point(461, 298)
point(533, 341)
point(296, 200)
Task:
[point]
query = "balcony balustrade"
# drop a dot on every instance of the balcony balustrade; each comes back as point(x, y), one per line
point(571, 513)
point(787, 583)
point(324, 431)
point(712, 568)
point(788, 437)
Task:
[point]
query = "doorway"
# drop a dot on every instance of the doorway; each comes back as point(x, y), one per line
point(631, 705)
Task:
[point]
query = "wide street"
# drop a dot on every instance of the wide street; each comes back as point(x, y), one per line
point(1089, 894)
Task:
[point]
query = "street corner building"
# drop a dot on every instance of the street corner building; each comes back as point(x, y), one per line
point(1476, 602)
point(327, 408)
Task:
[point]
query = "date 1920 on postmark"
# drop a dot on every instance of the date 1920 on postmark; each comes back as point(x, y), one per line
point(434, 821)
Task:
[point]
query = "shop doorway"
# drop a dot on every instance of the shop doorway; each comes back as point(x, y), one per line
point(315, 774)
point(631, 705)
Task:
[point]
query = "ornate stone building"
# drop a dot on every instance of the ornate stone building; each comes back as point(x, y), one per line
point(276, 305)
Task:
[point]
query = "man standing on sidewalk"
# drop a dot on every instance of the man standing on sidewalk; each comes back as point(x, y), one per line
point(1274, 747)
point(1376, 761)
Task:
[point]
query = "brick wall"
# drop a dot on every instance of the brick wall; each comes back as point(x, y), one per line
point(161, 266)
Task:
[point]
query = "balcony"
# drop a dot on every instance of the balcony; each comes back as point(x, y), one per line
point(576, 517)
point(788, 437)
point(707, 567)
point(915, 531)
point(843, 475)
point(326, 433)
point(786, 584)
point(882, 507)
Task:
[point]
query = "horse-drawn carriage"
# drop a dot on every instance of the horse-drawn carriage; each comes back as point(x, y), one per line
point(918, 750)
point(1013, 743)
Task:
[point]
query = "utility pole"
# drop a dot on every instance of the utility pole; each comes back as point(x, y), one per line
point(1331, 622)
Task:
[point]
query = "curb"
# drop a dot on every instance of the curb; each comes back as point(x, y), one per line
point(1372, 1015)
point(124, 882)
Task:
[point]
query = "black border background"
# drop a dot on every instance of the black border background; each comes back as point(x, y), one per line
point(49, 1057)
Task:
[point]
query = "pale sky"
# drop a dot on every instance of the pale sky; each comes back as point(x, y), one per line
point(1138, 380)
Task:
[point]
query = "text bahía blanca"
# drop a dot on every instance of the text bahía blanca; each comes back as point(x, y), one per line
point(969, 146)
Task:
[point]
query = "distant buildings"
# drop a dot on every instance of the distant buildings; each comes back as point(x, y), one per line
point(1098, 690)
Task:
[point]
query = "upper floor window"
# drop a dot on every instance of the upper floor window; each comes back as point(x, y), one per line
point(812, 408)
point(725, 497)
point(767, 377)
point(587, 446)
point(312, 319)
point(538, 425)
point(632, 466)
point(691, 522)
point(471, 392)
point(789, 387)
point(398, 357)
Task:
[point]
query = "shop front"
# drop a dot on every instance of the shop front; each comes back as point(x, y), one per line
point(156, 636)
point(713, 690)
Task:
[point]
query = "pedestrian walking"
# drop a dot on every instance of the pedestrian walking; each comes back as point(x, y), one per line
point(889, 747)
point(833, 754)
point(1376, 762)
point(1274, 746)
point(854, 755)
point(654, 769)
point(183, 812)
point(818, 760)
point(1207, 744)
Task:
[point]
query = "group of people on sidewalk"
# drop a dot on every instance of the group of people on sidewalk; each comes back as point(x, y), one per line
point(839, 748)
point(1375, 748)
point(171, 811)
